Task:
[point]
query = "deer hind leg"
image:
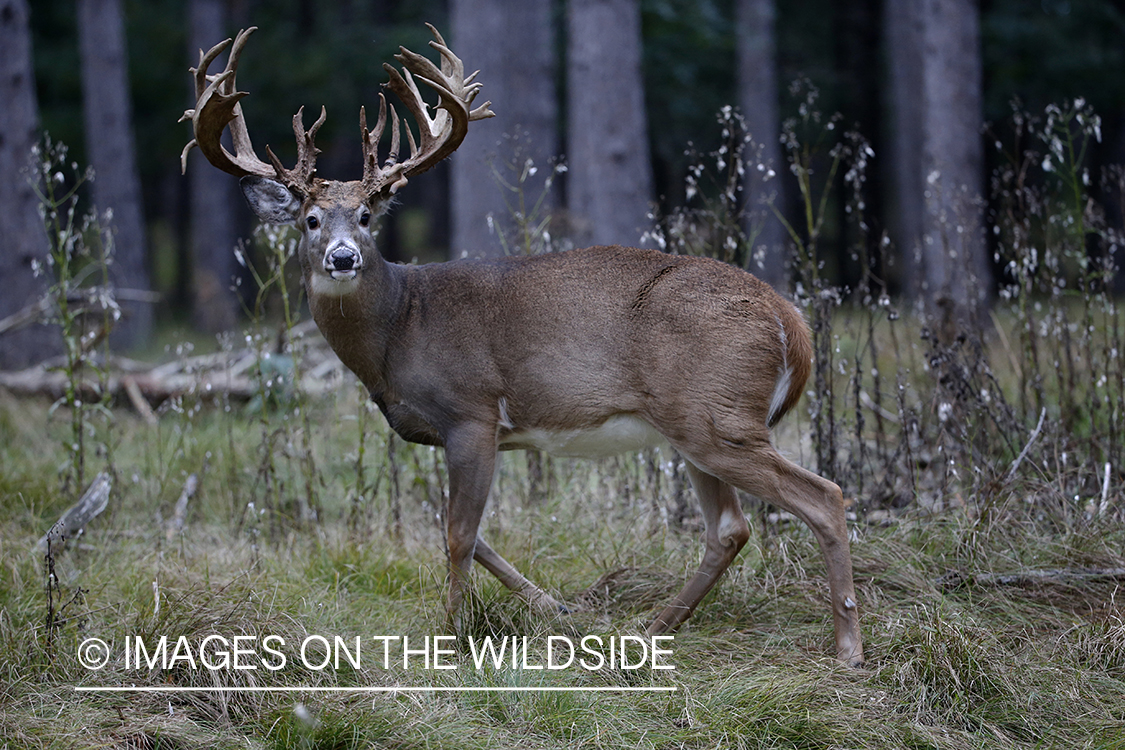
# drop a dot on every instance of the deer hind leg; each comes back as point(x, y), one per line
point(726, 533)
point(759, 469)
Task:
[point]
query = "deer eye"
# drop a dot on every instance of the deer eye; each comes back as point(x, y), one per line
point(312, 222)
point(364, 219)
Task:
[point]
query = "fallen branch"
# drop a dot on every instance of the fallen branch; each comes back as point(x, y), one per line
point(32, 313)
point(955, 579)
point(137, 399)
point(1026, 448)
point(80, 301)
point(869, 403)
point(71, 523)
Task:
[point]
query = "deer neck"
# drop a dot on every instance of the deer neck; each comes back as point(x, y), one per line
point(359, 325)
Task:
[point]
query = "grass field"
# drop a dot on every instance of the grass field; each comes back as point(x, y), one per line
point(956, 659)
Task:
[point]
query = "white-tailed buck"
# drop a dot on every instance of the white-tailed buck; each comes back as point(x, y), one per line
point(581, 353)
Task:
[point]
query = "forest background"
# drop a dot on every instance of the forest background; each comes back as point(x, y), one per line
point(626, 93)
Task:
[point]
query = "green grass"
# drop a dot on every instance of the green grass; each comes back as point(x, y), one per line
point(966, 667)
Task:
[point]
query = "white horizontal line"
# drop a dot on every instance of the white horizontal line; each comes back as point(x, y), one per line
point(404, 689)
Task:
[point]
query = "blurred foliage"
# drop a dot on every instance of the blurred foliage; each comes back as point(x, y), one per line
point(689, 74)
point(58, 78)
point(1053, 50)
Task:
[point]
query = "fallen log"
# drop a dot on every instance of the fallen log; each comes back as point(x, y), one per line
point(229, 374)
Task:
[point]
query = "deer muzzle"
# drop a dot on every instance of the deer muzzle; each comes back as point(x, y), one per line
point(342, 261)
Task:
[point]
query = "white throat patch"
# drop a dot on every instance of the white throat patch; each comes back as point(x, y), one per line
point(321, 285)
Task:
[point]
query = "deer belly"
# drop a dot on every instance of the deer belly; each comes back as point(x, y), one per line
point(619, 434)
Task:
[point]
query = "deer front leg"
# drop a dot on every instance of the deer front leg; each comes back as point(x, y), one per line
point(470, 453)
point(515, 581)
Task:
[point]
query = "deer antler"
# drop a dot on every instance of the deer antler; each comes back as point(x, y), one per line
point(217, 106)
point(438, 136)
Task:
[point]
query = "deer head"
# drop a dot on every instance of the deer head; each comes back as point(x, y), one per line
point(334, 217)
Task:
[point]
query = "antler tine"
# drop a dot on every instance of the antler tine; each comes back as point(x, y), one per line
point(438, 38)
point(374, 176)
point(218, 107)
point(205, 60)
point(392, 156)
point(370, 139)
point(239, 135)
point(453, 68)
point(437, 124)
point(302, 177)
point(439, 135)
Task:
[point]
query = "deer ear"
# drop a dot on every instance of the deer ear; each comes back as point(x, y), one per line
point(270, 200)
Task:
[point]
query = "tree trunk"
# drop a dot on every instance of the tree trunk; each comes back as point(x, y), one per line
point(20, 227)
point(213, 199)
point(935, 66)
point(512, 44)
point(903, 30)
point(610, 175)
point(110, 146)
point(957, 268)
point(758, 99)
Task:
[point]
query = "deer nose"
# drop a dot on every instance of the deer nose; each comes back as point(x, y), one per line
point(342, 259)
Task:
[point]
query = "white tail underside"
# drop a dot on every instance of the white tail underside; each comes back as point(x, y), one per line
point(784, 376)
